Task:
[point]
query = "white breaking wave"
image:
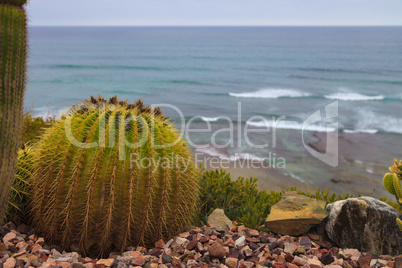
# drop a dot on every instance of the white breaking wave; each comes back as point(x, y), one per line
point(290, 125)
point(210, 119)
point(351, 96)
point(48, 112)
point(369, 131)
point(384, 123)
point(290, 174)
point(271, 94)
point(232, 158)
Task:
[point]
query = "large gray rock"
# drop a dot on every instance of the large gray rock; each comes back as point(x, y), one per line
point(365, 223)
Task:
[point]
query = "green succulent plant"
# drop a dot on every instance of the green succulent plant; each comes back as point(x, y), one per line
point(392, 183)
point(13, 51)
point(108, 175)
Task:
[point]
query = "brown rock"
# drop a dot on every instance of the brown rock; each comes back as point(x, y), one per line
point(137, 258)
point(106, 262)
point(10, 263)
point(63, 264)
point(247, 264)
point(364, 261)
point(35, 248)
point(184, 235)
point(159, 244)
point(247, 251)
point(290, 248)
point(326, 259)
point(230, 243)
point(88, 265)
point(40, 241)
point(176, 262)
point(295, 214)
point(33, 238)
point(231, 262)
point(8, 237)
point(291, 265)
point(351, 253)
point(314, 263)
point(280, 264)
point(192, 244)
point(298, 261)
point(289, 257)
point(216, 250)
point(305, 242)
point(252, 232)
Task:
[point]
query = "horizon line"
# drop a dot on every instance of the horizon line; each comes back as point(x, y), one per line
point(374, 25)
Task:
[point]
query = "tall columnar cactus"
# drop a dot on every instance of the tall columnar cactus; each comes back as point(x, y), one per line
point(13, 50)
point(392, 183)
point(110, 174)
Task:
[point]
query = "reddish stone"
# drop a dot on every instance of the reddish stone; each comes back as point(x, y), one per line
point(216, 250)
point(253, 239)
point(252, 232)
point(298, 262)
point(192, 244)
point(43, 256)
point(138, 259)
point(364, 261)
point(159, 244)
point(279, 264)
point(289, 257)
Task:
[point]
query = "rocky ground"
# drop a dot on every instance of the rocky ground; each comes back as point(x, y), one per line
point(199, 247)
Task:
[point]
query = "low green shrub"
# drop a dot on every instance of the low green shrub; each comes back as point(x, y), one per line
point(241, 199)
point(33, 127)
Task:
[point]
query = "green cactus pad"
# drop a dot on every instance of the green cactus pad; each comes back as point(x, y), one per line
point(397, 187)
point(399, 222)
point(388, 182)
point(108, 175)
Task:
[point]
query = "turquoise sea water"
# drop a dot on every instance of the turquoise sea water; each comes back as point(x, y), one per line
point(207, 71)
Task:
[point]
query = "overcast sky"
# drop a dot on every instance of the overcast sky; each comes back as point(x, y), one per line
point(215, 12)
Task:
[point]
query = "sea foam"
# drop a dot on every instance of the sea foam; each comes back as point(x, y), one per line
point(368, 131)
point(234, 157)
point(210, 119)
point(271, 94)
point(351, 96)
point(290, 125)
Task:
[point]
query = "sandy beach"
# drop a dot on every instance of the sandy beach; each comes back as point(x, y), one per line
point(363, 161)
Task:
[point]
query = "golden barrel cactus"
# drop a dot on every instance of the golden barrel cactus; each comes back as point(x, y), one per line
point(108, 175)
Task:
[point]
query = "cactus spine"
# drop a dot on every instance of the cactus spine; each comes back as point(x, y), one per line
point(20, 187)
point(13, 50)
point(392, 183)
point(120, 188)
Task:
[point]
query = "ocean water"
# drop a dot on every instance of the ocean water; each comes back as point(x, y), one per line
point(212, 72)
